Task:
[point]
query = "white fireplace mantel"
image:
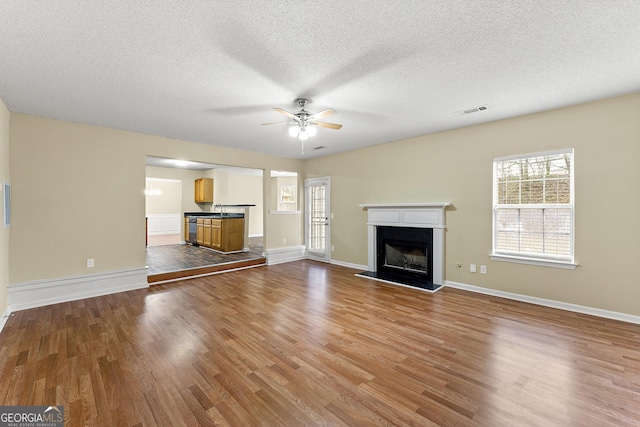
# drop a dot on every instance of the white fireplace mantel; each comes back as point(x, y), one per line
point(420, 215)
point(405, 205)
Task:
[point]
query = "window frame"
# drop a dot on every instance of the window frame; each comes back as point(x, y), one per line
point(567, 262)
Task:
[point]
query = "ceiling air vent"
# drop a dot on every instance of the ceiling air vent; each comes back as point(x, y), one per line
point(319, 147)
point(471, 110)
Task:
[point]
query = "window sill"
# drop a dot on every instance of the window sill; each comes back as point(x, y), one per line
point(534, 261)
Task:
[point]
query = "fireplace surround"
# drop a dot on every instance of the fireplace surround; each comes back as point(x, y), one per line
point(406, 244)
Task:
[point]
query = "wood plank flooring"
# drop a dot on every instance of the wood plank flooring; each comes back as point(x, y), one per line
point(306, 343)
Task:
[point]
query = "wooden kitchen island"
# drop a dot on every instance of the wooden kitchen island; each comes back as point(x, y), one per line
point(220, 232)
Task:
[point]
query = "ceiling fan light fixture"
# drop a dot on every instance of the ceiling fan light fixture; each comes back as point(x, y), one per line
point(311, 130)
point(302, 132)
point(305, 124)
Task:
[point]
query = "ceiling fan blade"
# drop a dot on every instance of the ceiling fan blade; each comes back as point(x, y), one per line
point(286, 113)
point(275, 123)
point(321, 114)
point(326, 125)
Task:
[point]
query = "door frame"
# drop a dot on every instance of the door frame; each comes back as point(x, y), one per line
point(309, 182)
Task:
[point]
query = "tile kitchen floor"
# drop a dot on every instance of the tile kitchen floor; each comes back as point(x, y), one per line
point(186, 258)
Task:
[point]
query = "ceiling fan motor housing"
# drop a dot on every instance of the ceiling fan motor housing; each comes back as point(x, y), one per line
point(302, 102)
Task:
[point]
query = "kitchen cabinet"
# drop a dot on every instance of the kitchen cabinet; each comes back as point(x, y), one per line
point(200, 231)
point(204, 190)
point(227, 234)
point(206, 233)
point(216, 234)
point(220, 233)
point(186, 229)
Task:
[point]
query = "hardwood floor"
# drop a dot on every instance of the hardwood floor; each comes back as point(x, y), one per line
point(306, 343)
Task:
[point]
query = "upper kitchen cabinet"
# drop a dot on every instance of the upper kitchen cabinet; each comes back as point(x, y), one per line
point(204, 190)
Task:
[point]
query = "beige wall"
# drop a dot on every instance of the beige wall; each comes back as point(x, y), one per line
point(4, 232)
point(187, 177)
point(290, 225)
point(238, 189)
point(169, 201)
point(290, 230)
point(78, 193)
point(456, 167)
point(276, 182)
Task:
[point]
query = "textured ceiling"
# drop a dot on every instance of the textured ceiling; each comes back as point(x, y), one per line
point(210, 71)
point(162, 162)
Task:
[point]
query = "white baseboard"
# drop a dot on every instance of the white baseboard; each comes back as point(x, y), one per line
point(288, 254)
point(547, 302)
point(350, 265)
point(39, 293)
point(4, 318)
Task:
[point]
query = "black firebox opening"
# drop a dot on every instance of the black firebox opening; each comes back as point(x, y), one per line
point(405, 249)
point(405, 255)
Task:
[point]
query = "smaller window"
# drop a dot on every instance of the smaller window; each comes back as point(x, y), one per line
point(284, 187)
point(287, 197)
point(533, 207)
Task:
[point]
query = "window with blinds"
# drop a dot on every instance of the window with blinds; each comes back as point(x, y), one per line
point(533, 206)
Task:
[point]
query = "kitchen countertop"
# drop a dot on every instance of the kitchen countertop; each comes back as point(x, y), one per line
point(216, 205)
point(218, 214)
point(214, 215)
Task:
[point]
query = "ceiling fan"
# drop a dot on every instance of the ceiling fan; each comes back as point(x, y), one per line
point(304, 122)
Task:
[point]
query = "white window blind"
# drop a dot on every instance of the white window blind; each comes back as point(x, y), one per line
point(533, 215)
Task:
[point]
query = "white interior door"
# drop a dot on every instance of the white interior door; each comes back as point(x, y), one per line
point(317, 218)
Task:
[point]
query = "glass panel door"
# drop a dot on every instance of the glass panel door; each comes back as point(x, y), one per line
point(317, 218)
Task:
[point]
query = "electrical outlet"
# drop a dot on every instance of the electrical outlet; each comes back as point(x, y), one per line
point(472, 268)
point(284, 240)
point(90, 263)
point(483, 269)
point(333, 248)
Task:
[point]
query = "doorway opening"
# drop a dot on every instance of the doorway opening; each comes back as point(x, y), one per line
point(163, 205)
point(171, 198)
